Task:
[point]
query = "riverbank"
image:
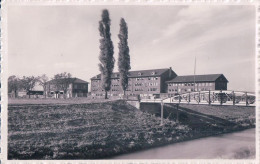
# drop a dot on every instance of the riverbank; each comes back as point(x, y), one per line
point(237, 145)
point(99, 130)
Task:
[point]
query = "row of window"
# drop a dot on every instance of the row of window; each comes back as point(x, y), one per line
point(76, 86)
point(149, 78)
point(115, 80)
point(190, 84)
point(188, 90)
point(152, 89)
point(129, 79)
point(138, 84)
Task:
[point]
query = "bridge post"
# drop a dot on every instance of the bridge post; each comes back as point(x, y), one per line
point(189, 98)
point(221, 97)
point(162, 112)
point(199, 97)
point(234, 97)
point(209, 98)
point(179, 98)
point(246, 99)
point(177, 119)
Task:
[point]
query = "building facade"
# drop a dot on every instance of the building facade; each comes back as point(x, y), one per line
point(191, 83)
point(146, 82)
point(73, 87)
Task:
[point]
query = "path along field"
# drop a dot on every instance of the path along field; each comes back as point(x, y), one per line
point(97, 130)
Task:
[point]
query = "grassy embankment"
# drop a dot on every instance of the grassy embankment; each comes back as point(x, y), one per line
point(101, 130)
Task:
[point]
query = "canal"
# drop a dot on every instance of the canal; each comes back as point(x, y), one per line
point(235, 145)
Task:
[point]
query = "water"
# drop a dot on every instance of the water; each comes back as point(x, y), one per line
point(236, 145)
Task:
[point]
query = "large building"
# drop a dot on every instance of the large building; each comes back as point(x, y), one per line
point(191, 83)
point(139, 82)
point(75, 88)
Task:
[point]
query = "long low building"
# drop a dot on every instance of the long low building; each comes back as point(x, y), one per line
point(139, 82)
point(191, 83)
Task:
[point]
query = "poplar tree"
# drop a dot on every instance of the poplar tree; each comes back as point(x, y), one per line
point(106, 58)
point(123, 57)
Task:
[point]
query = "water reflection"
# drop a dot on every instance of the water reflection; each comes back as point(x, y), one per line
point(236, 145)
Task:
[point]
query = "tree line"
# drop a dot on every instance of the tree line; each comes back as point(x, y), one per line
point(106, 58)
point(61, 81)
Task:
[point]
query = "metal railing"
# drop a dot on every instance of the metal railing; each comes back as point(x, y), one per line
point(215, 97)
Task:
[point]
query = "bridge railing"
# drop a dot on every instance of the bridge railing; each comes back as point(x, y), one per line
point(215, 97)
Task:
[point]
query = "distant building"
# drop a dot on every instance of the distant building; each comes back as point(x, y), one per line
point(21, 93)
point(139, 82)
point(191, 83)
point(76, 88)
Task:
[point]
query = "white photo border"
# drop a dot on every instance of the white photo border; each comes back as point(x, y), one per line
point(4, 75)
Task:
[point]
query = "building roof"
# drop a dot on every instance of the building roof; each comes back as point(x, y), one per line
point(74, 80)
point(139, 73)
point(198, 78)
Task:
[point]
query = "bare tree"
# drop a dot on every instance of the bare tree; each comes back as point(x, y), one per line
point(14, 84)
point(62, 82)
point(28, 83)
point(43, 82)
point(106, 58)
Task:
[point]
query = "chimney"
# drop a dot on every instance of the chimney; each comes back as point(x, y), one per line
point(170, 72)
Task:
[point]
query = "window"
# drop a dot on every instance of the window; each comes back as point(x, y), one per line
point(75, 86)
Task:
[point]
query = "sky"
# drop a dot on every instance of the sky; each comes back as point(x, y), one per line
point(54, 39)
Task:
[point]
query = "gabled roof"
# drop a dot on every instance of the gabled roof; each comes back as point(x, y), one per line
point(73, 80)
point(198, 78)
point(140, 73)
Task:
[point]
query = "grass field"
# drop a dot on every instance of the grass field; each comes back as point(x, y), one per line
point(102, 130)
point(85, 131)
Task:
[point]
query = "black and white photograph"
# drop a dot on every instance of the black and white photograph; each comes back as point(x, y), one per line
point(131, 82)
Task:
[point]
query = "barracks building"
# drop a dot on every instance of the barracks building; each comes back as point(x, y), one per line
point(159, 81)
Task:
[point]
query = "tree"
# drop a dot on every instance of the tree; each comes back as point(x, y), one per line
point(123, 57)
point(62, 82)
point(14, 84)
point(28, 83)
point(43, 82)
point(106, 58)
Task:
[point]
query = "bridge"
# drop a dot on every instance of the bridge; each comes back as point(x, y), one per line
point(215, 97)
